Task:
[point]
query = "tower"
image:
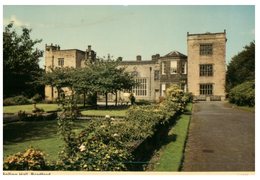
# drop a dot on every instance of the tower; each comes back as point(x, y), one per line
point(206, 65)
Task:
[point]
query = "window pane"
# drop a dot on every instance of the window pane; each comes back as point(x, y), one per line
point(206, 89)
point(173, 67)
point(141, 88)
point(206, 49)
point(206, 70)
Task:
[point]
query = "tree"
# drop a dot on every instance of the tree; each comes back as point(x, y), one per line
point(20, 63)
point(110, 78)
point(100, 77)
point(242, 67)
point(59, 78)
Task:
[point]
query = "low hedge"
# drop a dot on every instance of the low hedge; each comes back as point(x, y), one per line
point(243, 94)
point(16, 100)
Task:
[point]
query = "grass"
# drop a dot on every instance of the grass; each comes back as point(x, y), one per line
point(171, 155)
point(244, 108)
point(111, 112)
point(51, 107)
point(29, 108)
point(42, 135)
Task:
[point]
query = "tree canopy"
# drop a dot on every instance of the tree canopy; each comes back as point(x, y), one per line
point(242, 67)
point(20, 63)
point(103, 76)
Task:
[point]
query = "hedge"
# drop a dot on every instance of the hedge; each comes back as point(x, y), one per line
point(243, 94)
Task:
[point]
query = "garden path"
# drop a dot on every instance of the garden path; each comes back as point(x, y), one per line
point(221, 138)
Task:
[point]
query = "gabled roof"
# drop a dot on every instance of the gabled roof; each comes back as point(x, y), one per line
point(175, 54)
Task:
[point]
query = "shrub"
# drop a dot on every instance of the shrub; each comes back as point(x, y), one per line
point(17, 100)
point(175, 100)
point(31, 159)
point(36, 98)
point(99, 147)
point(243, 94)
point(143, 102)
point(109, 145)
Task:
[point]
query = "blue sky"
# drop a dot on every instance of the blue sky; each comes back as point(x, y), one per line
point(128, 31)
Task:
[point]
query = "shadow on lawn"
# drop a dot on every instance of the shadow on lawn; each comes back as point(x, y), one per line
point(27, 131)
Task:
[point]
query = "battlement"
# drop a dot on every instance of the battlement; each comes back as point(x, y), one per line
point(52, 47)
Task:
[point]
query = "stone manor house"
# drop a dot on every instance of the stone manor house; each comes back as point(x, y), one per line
point(202, 72)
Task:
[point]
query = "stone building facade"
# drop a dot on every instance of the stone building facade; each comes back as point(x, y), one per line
point(202, 72)
point(55, 57)
point(206, 65)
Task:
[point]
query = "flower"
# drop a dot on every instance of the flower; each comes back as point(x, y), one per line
point(116, 135)
point(82, 148)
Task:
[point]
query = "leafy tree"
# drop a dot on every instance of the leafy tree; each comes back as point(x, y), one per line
point(242, 67)
point(103, 76)
point(20, 63)
point(110, 78)
point(59, 78)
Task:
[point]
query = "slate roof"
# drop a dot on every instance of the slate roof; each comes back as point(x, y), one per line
point(175, 54)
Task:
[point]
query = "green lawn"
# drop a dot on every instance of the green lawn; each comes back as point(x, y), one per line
point(245, 108)
point(171, 155)
point(52, 107)
point(111, 112)
point(42, 135)
point(29, 108)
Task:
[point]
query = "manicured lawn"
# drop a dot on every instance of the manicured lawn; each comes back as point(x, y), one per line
point(42, 135)
point(111, 112)
point(170, 156)
point(29, 108)
point(245, 108)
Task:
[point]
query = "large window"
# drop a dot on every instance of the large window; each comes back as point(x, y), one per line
point(206, 49)
point(206, 89)
point(206, 70)
point(141, 88)
point(163, 88)
point(173, 67)
point(61, 62)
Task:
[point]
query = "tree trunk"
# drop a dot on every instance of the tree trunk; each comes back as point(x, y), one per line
point(116, 98)
point(84, 100)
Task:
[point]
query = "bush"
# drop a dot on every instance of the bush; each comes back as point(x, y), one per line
point(31, 159)
point(109, 145)
point(143, 102)
point(36, 98)
point(17, 100)
point(175, 100)
point(243, 94)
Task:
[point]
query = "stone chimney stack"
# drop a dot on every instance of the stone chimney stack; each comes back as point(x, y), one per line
point(89, 48)
point(138, 58)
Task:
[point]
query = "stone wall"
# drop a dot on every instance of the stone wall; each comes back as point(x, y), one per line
point(217, 59)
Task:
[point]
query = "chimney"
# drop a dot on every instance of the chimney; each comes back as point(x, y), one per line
point(120, 58)
point(138, 58)
point(89, 48)
point(155, 57)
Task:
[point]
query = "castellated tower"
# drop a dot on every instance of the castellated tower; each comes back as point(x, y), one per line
point(207, 65)
point(55, 57)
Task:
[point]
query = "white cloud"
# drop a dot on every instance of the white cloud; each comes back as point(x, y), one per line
point(16, 21)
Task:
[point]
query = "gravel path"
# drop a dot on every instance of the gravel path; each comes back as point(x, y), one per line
point(220, 139)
